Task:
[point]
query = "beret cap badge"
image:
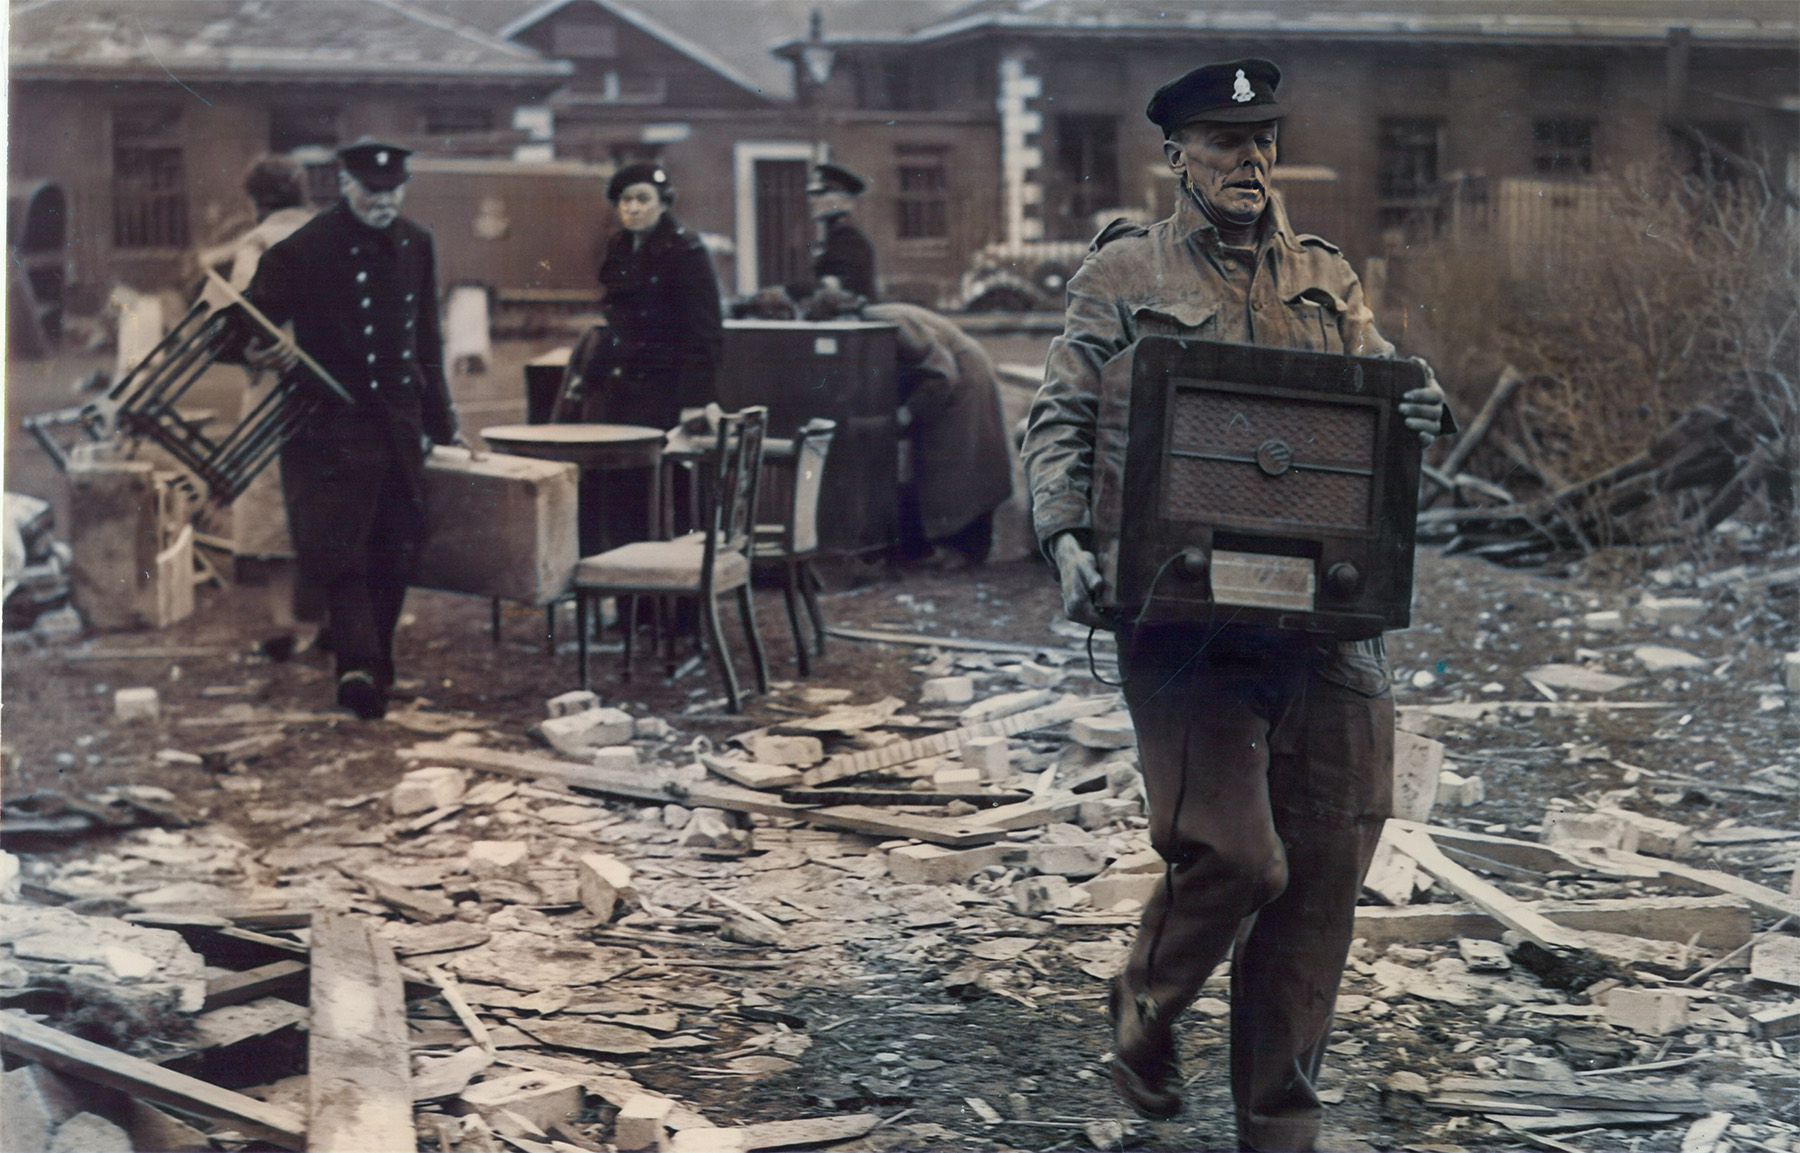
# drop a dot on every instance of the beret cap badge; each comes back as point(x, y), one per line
point(1241, 90)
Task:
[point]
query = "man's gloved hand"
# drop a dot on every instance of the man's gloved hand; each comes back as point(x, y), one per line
point(1081, 581)
point(1423, 408)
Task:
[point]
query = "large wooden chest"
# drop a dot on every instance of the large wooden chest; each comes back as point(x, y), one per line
point(499, 526)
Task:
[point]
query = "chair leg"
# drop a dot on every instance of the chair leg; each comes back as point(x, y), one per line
point(581, 635)
point(715, 636)
point(494, 618)
point(747, 610)
point(809, 584)
point(628, 622)
point(790, 595)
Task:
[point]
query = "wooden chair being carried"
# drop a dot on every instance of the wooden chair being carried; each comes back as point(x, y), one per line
point(792, 544)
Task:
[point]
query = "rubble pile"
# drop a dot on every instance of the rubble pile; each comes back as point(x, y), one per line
point(1521, 509)
point(606, 933)
point(36, 595)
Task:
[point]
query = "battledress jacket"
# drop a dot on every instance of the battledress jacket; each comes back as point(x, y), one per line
point(1175, 278)
point(948, 384)
point(363, 302)
point(666, 331)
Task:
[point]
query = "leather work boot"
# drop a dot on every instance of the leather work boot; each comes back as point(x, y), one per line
point(1145, 1070)
point(358, 692)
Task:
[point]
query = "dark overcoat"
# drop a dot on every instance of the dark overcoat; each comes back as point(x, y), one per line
point(847, 255)
point(666, 331)
point(960, 453)
point(363, 302)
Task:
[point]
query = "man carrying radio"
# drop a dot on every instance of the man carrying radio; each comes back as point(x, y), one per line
point(1267, 754)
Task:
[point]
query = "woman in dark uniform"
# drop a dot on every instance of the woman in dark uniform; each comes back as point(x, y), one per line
point(662, 309)
point(663, 339)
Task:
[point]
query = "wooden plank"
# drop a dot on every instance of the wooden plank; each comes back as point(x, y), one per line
point(920, 640)
point(953, 833)
point(1512, 913)
point(139, 1078)
point(632, 786)
point(1044, 810)
point(752, 774)
point(828, 796)
point(1760, 897)
point(359, 1087)
point(807, 1131)
point(1722, 922)
point(939, 744)
point(274, 979)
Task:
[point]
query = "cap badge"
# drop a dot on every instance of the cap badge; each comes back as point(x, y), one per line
point(381, 158)
point(1240, 89)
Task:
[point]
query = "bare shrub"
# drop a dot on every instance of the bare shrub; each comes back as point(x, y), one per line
point(1673, 299)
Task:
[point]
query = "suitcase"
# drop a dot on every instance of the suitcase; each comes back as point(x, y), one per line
point(498, 526)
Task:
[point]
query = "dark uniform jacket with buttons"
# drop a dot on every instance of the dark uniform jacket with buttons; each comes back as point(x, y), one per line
point(666, 330)
point(1175, 278)
point(847, 255)
point(363, 302)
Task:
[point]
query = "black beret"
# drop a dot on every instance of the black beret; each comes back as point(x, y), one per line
point(376, 164)
point(643, 172)
point(835, 178)
point(1237, 92)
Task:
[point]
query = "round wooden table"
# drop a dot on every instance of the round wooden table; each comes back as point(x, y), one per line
point(594, 448)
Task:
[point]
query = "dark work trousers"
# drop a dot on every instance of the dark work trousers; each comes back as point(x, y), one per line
point(357, 514)
point(1267, 763)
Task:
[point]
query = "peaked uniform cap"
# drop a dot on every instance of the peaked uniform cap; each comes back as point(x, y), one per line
point(1236, 92)
point(377, 164)
point(835, 178)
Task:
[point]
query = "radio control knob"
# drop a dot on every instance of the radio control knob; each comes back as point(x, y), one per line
point(1192, 564)
point(1344, 579)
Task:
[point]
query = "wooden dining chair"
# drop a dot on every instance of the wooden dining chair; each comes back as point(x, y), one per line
point(701, 565)
point(791, 544)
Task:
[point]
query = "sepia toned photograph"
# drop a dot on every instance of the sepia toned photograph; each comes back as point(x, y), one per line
point(720, 576)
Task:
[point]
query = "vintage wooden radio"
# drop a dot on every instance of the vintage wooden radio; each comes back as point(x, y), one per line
point(1265, 486)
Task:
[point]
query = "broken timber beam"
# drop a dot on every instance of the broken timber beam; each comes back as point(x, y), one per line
point(274, 979)
point(139, 1078)
point(920, 640)
point(1720, 922)
point(1514, 914)
point(1760, 897)
point(359, 1084)
point(950, 832)
point(940, 744)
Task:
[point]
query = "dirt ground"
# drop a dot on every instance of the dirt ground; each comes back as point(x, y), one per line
point(891, 1031)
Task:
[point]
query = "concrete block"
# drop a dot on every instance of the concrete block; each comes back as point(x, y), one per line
point(934, 865)
point(539, 1097)
point(1039, 676)
point(1651, 1011)
point(1110, 889)
point(956, 778)
point(423, 790)
point(136, 704)
point(89, 1133)
point(1776, 1021)
point(602, 880)
point(499, 860)
point(1531, 1067)
point(577, 733)
point(499, 526)
point(1605, 621)
point(1059, 860)
point(712, 829)
point(775, 750)
point(1107, 811)
point(1790, 668)
point(574, 701)
point(1657, 836)
point(947, 691)
point(115, 532)
point(992, 756)
point(617, 758)
point(1005, 705)
point(1418, 760)
point(1663, 659)
point(704, 1139)
point(1574, 829)
point(1663, 612)
point(650, 729)
point(642, 1123)
point(1456, 789)
point(1112, 731)
point(1035, 896)
point(1483, 956)
point(1777, 960)
point(33, 1103)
